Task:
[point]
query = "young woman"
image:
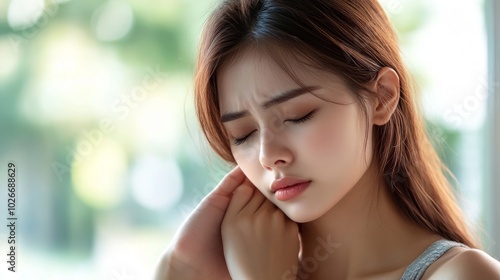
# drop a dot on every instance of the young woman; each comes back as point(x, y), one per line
point(335, 176)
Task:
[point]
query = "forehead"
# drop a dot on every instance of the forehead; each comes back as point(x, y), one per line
point(254, 77)
point(251, 75)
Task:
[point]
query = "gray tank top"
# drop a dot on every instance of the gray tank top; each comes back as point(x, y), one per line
point(417, 268)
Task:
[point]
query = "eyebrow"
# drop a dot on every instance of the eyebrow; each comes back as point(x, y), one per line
point(283, 97)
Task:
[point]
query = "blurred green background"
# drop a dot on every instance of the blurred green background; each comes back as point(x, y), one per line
point(96, 111)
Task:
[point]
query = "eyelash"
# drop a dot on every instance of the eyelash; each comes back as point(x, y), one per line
point(239, 141)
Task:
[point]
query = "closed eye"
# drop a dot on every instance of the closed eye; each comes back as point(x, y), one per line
point(304, 118)
point(239, 141)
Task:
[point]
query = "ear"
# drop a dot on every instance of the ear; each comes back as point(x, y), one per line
point(386, 86)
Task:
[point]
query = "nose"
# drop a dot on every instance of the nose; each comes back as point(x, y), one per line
point(274, 151)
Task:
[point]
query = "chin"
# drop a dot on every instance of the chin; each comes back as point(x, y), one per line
point(301, 220)
point(302, 215)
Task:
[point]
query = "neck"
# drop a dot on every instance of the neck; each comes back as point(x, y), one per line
point(362, 235)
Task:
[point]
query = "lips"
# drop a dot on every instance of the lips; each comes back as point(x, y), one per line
point(289, 188)
point(286, 182)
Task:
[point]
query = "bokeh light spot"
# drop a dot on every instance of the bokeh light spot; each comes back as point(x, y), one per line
point(113, 20)
point(24, 13)
point(156, 182)
point(98, 177)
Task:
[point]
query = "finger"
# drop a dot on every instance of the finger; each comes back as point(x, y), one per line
point(268, 207)
point(230, 182)
point(241, 196)
point(256, 200)
point(219, 197)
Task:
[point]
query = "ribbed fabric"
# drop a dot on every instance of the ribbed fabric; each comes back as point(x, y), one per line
point(417, 268)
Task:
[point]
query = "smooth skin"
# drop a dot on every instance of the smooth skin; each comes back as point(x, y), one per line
point(349, 226)
point(253, 220)
point(346, 204)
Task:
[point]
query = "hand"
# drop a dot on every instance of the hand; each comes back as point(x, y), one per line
point(260, 241)
point(196, 251)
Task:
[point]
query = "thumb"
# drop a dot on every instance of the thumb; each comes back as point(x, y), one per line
point(221, 195)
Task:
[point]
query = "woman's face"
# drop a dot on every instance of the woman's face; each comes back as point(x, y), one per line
point(302, 137)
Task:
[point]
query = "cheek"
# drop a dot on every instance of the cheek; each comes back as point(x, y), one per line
point(336, 141)
point(248, 161)
point(328, 138)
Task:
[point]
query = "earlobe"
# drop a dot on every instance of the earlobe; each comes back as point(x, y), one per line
point(387, 88)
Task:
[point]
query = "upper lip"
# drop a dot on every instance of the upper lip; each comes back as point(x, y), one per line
point(286, 182)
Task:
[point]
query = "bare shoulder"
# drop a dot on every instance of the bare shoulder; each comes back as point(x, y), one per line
point(475, 264)
point(465, 264)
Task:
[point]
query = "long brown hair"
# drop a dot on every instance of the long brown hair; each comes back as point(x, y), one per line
point(353, 39)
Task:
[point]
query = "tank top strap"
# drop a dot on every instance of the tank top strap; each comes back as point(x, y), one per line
point(417, 268)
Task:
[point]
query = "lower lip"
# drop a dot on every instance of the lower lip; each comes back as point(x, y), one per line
point(291, 192)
